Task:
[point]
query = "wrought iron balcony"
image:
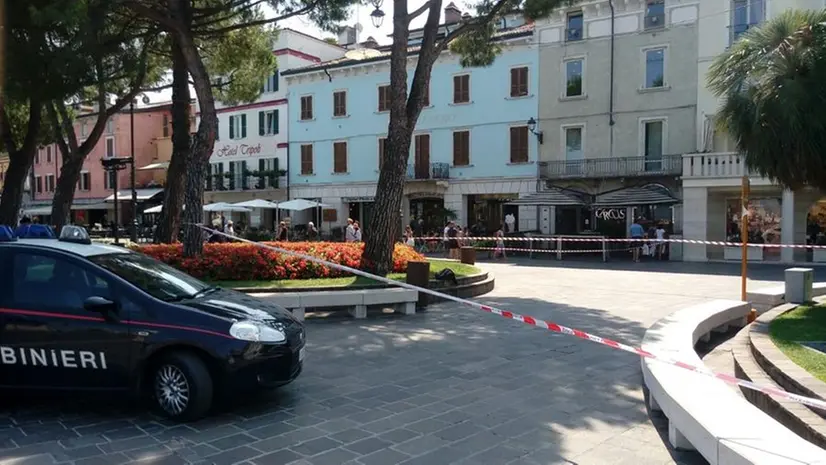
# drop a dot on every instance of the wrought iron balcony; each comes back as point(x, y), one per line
point(428, 172)
point(611, 167)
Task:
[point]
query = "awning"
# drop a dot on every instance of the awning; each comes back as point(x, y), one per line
point(553, 197)
point(155, 166)
point(636, 196)
point(91, 206)
point(143, 194)
point(47, 210)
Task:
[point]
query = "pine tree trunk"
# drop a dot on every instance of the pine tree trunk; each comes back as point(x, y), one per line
point(169, 223)
point(65, 190)
point(384, 228)
point(193, 213)
point(12, 197)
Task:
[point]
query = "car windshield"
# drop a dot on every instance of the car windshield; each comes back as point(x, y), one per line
point(153, 277)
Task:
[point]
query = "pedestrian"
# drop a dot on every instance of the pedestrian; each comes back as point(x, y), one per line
point(350, 231)
point(312, 232)
point(230, 229)
point(453, 241)
point(282, 232)
point(356, 231)
point(446, 238)
point(636, 232)
point(409, 237)
point(499, 250)
point(660, 241)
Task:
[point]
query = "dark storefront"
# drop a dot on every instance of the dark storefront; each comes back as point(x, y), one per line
point(489, 212)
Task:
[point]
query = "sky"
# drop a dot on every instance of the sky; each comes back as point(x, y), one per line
point(361, 15)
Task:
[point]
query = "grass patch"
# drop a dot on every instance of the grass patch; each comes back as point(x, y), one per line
point(460, 269)
point(805, 323)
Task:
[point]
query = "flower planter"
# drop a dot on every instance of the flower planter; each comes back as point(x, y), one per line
point(736, 253)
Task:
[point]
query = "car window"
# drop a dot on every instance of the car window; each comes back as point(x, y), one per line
point(153, 277)
point(44, 282)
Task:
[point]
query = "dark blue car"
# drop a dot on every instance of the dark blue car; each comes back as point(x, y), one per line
point(75, 315)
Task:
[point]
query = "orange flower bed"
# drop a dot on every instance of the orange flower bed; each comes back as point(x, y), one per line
point(246, 262)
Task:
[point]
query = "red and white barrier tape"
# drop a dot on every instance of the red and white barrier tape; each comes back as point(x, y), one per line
point(608, 239)
point(511, 249)
point(550, 326)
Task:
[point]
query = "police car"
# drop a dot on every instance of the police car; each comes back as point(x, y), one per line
point(81, 316)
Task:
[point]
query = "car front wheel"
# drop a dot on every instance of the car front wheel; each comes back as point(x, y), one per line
point(182, 386)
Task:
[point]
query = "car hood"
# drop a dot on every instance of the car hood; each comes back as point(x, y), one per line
point(238, 306)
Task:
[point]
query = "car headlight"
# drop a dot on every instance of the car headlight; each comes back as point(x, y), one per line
point(256, 332)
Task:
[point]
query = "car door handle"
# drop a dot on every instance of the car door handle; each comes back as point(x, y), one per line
point(142, 333)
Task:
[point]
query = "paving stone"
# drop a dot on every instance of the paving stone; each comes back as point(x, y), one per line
point(280, 457)
point(316, 446)
point(368, 446)
point(383, 457)
point(338, 456)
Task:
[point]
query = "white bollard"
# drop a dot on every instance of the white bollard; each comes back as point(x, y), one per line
point(799, 283)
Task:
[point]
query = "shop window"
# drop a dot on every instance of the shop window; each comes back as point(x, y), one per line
point(764, 220)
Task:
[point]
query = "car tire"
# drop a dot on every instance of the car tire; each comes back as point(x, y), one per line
point(181, 387)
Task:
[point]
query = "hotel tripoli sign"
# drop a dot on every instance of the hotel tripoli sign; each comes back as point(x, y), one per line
point(240, 149)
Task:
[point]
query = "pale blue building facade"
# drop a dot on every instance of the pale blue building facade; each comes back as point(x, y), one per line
point(472, 150)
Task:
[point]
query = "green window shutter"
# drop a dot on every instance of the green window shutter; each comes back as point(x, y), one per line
point(261, 123)
point(232, 127)
point(275, 124)
point(275, 81)
point(243, 126)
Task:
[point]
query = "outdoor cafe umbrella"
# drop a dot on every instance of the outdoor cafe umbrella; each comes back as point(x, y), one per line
point(158, 209)
point(224, 207)
point(301, 205)
point(257, 203)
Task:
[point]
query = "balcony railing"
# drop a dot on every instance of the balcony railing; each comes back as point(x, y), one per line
point(429, 172)
point(715, 165)
point(611, 167)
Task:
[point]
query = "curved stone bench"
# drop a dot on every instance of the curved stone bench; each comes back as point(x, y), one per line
point(703, 413)
point(356, 302)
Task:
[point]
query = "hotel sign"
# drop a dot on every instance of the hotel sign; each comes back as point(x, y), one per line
point(246, 150)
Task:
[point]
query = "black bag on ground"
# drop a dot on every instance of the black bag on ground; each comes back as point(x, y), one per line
point(447, 274)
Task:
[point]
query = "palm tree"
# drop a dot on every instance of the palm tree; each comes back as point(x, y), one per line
point(773, 85)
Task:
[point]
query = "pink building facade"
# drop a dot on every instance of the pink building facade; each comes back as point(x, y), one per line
point(93, 201)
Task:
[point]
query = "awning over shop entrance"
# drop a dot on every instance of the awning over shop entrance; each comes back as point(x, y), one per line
point(553, 197)
point(91, 206)
point(126, 195)
point(651, 194)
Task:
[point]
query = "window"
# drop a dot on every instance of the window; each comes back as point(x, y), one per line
point(238, 126)
point(110, 147)
point(382, 145)
point(237, 180)
point(69, 284)
point(267, 123)
point(151, 276)
point(307, 159)
point(340, 103)
point(215, 181)
point(306, 108)
point(267, 173)
point(655, 68)
point(655, 14)
point(519, 144)
point(384, 98)
point(165, 123)
point(519, 81)
point(37, 157)
point(110, 126)
point(461, 148)
point(421, 158)
point(461, 88)
point(83, 130)
point(85, 182)
point(49, 154)
point(109, 178)
point(573, 78)
point(744, 15)
point(38, 181)
point(271, 84)
point(653, 132)
point(574, 26)
point(573, 144)
point(49, 183)
point(339, 157)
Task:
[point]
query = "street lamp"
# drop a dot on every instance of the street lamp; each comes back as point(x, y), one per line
point(113, 165)
point(532, 127)
point(377, 16)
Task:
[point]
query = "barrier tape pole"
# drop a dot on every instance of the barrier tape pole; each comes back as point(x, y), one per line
point(607, 239)
point(550, 326)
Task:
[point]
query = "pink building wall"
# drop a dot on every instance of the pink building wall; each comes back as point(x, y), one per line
point(149, 136)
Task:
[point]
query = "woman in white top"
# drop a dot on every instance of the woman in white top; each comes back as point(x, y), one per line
point(660, 241)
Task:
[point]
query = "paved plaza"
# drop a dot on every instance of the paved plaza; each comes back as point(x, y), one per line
point(451, 385)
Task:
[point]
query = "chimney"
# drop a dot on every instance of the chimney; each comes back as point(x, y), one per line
point(347, 36)
point(452, 14)
point(370, 43)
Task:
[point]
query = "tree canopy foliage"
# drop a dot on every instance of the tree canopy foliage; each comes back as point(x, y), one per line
point(771, 82)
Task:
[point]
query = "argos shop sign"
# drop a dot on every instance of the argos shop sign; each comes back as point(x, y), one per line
point(238, 150)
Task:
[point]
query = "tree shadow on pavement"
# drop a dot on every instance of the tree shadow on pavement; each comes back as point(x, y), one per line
point(449, 385)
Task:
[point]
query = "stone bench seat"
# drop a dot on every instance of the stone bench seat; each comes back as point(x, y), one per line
point(704, 414)
point(355, 302)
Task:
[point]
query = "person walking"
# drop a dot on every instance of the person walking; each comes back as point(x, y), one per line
point(312, 232)
point(350, 231)
point(637, 233)
point(446, 238)
point(282, 232)
point(356, 231)
point(453, 241)
point(660, 241)
point(499, 250)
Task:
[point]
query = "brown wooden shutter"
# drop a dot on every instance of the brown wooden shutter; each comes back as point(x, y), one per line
point(306, 159)
point(340, 157)
point(461, 148)
point(519, 82)
point(384, 98)
point(519, 144)
point(461, 88)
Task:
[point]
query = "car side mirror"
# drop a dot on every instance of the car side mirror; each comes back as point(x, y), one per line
point(99, 305)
